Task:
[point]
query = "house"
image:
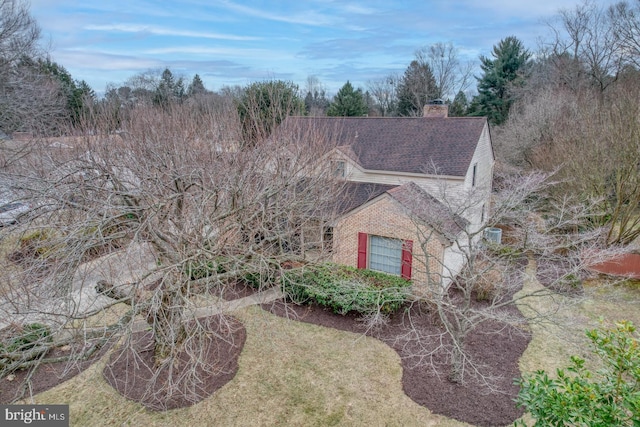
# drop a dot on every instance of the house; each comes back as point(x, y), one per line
point(415, 189)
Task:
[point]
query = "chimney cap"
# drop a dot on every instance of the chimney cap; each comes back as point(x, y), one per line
point(436, 110)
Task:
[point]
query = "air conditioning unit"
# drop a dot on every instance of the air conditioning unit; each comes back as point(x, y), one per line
point(493, 234)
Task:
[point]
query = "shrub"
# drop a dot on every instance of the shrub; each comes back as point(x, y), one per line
point(611, 397)
point(344, 289)
point(26, 338)
point(38, 244)
point(204, 268)
point(264, 277)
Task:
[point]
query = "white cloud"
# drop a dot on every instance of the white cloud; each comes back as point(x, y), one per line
point(267, 54)
point(140, 28)
point(523, 9)
point(307, 17)
point(107, 61)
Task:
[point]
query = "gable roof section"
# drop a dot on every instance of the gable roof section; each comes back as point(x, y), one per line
point(423, 206)
point(356, 194)
point(417, 202)
point(399, 144)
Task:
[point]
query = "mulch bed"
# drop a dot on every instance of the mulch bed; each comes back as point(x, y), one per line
point(184, 381)
point(223, 351)
point(236, 291)
point(46, 375)
point(495, 347)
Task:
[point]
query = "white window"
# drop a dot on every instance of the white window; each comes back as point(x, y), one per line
point(385, 254)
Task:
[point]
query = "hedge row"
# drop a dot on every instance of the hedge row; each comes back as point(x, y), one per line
point(345, 289)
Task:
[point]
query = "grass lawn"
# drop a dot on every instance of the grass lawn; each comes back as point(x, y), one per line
point(298, 374)
point(291, 374)
point(563, 334)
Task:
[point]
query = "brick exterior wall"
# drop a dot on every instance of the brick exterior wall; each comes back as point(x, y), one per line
point(385, 217)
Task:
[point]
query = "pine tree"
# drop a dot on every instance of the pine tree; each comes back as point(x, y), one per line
point(416, 88)
point(169, 89)
point(460, 105)
point(196, 87)
point(506, 69)
point(348, 102)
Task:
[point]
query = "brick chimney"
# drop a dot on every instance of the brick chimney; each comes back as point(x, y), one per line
point(436, 108)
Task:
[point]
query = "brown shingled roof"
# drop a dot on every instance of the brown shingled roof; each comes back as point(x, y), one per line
point(423, 206)
point(401, 144)
point(355, 194)
point(416, 200)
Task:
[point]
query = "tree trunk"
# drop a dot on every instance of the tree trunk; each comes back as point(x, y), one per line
point(167, 320)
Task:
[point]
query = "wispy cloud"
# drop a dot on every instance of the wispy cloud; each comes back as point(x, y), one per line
point(234, 41)
point(304, 17)
point(161, 31)
point(74, 58)
point(221, 51)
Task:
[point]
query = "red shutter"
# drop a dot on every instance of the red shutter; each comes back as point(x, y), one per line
point(405, 271)
point(362, 250)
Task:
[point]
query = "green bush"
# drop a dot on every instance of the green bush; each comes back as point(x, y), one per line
point(27, 338)
point(344, 289)
point(263, 278)
point(578, 397)
point(571, 280)
point(204, 268)
point(40, 244)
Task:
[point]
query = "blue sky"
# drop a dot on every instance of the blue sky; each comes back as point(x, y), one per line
point(236, 42)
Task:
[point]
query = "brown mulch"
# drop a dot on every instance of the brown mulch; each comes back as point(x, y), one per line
point(28, 382)
point(182, 382)
point(493, 346)
point(225, 351)
point(237, 290)
point(426, 381)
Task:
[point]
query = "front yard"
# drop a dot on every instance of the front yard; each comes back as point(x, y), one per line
point(295, 373)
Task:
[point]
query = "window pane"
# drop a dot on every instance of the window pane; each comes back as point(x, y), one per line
point(385, 255)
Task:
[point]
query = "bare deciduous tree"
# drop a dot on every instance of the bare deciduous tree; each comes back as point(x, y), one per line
point(450, 74)
point(19, 32)
point(179, 184)
point(545, 130)
point(29, 100)
point(626, 23)
point(584, 46)
point(481, 288)
point(384, 93)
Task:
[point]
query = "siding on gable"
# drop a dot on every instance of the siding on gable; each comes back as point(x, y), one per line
point(452, 187)
point(385, 217)
point(480, 194)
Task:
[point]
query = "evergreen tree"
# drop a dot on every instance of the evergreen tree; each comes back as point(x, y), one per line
point(81, 101)
point(416, 88)
point(460, 105)
point(78, 96)
point(348, 102)
point(169, 89)
point(316, 102)
point(264, 105)
point(196, 87)
point(506, 69)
